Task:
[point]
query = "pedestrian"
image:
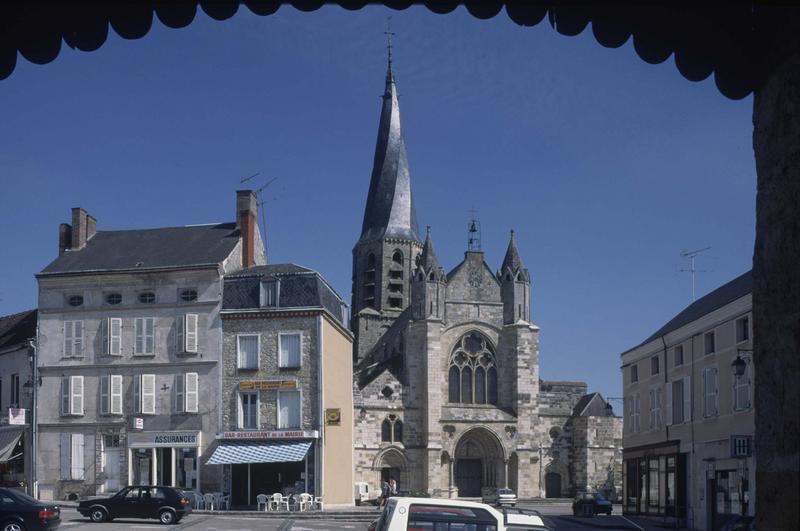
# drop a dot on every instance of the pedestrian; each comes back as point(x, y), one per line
point(385, 490)
point(392, 487)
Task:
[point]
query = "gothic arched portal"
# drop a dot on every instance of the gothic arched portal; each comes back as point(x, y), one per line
point(479, 462)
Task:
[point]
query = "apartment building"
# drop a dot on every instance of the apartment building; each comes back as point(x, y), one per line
point(689, 419)
point(129, 352)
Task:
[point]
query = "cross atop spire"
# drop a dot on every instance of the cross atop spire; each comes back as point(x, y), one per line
point(389, 34)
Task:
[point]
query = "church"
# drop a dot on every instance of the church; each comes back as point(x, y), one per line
point(447, 394)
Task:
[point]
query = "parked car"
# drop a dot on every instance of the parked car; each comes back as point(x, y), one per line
point(166, 504)
point(20, 512)
point(415, 514)
point(590, 504)
point(500, 497)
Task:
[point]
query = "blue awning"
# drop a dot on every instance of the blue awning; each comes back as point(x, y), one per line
point(236, 452)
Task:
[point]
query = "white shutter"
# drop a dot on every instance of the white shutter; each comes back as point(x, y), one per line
point(149, 393)
point(115, 336)
point(716, 390)
point(668, 418)
point(191, 392)
point(150, 335)
point(240, 411)
point(139, 336)
point(76, 395)
point(69, 334)
point(687, 399)
point(65, 396)
point(104, 395)
point(191, 332)
point(77, 348)
point(77, 456)
point(638, 412)
point(137, 393)
point(116, 394)
point(66, 449)
point(180, 393)
point(99, 436)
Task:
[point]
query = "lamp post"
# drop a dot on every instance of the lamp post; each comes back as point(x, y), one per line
point(739, 365)
point(31, 387)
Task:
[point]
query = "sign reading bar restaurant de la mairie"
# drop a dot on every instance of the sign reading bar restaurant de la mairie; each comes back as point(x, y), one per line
point(279, 434)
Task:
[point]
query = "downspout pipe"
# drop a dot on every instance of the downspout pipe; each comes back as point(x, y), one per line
point(666, 424)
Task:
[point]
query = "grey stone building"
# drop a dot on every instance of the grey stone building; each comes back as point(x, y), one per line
point(446, 378)
point(286, 400)
point(129, 352)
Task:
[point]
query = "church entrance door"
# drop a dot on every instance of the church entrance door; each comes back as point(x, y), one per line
point(468, 477)
point(552, 485)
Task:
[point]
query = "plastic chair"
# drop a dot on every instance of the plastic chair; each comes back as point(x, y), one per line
point(279, 499)
point(209, 501)
point(261, 499)
point(319, 503)
point(225, 502)
point(306, 502)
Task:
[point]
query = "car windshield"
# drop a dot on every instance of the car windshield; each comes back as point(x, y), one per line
point(21, 496)
point(505, 491)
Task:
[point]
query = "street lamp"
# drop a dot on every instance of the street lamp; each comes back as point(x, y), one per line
point(739, 365)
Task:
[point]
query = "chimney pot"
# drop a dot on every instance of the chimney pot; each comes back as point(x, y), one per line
point(246, 209)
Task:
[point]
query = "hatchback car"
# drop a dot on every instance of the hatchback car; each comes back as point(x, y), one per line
point(166, 504)
point(20, 512)
point(588, 504)
point(502, 497)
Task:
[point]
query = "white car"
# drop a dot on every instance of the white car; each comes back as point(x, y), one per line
point(425, 514)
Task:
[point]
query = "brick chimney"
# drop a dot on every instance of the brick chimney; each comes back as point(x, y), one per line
point(79, 223)
point(246, 209)
point(64, 237)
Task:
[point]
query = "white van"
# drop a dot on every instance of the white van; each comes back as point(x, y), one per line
point(428, 514)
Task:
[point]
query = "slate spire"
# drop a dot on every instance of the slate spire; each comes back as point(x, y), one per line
point(428, 261)
point(512, 262)
point(390, 210)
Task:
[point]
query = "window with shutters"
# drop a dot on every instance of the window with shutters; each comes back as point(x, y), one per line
point(73, 339)
point(741, 389)
point(72, 395)
point(144, 336)
point(289, 351)
point(72, 453)
point(289, 410)
point(269, 293)
point(111, 394)
point(637, 410)
point(112, 336)
point(144, 394)
point(655, 408)
point(186, 392)
point(186, 335)
point(710, 392)
point(248, 411)
point(248, 347)
point(676, 402)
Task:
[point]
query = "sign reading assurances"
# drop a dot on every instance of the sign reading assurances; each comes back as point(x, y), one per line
point(266, 385)
point(280, 434)
point(164, 439)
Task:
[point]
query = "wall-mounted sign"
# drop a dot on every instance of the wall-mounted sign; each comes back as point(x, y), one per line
point(164, 439)
point(333, 416)
point(266, 385)
point(16, 416)
point(138, 423)
point(279, 434)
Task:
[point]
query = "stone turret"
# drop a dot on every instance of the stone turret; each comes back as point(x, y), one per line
point(515, 282)
point(428, 286)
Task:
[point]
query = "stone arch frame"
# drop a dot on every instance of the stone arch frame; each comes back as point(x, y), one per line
point(494, 459)
point(480, 427)
point(556, 466)
point(392, 456)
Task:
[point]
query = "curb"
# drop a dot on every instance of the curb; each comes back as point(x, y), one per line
point(587, 521)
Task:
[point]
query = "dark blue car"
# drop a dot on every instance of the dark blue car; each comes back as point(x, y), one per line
point(20, 512)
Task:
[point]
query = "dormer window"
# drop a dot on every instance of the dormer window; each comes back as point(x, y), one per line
point(75, 300)
point(269, 293)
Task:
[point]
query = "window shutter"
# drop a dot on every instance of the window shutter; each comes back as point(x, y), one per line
point(68, 338)
point(180, 336)
point(105, 326)
point(149, 393)
point(180, 393)
point(638, 412)
point(191, 392)
point(749, 376)
point(65, 394)
point(687, 399)
point(104, 395)
point(716, 390)
point(99, 437)
point(191, 332)
point(240, 412)
point(115, 336)
point(66, 450)
point(78, 339)
point(139, 332)
point(116, 394)
point(77, 456)
point(668, 418)
point(137, 393)
point(150, 333)
point(76, 392)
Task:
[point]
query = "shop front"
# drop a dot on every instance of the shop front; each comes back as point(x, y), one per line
point(164, 458)
point(655, 480)
point(13, 457)
point(267, 462)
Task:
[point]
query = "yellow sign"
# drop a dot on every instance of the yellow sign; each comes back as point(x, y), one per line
point(267, 385)
point(333, 417)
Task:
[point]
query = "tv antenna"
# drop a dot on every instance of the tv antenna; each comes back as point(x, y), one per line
point(691, 255)
point(473, 231)
point(260, 203)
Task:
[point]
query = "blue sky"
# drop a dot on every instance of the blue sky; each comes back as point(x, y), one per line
point(606, 167)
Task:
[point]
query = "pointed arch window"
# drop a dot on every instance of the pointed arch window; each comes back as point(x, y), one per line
point(369, 282)
point(392, 429)
point(472, 374)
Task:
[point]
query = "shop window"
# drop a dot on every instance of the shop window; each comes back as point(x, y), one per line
point(248, 348)
point(73, 339)
point(144, 336)
point(742, 329)
point(248, 411)
point(472, 376)
point(289, 409)
point(289, 354)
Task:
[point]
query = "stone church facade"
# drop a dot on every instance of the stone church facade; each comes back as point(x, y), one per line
point(447, 394)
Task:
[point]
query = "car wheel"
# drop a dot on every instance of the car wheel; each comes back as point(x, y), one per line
point(98, 515)
point(12, 526)
point(167, 517)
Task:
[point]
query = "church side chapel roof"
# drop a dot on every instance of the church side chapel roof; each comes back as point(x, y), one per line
point(386, 354)
point(17, 327)
point(300, 287)
point(390, 210)
point(591, 405)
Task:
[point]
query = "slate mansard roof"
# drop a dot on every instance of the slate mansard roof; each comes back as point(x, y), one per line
point(725, 294)
point(170, 247)
point(16, 328)
point(299, 288)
